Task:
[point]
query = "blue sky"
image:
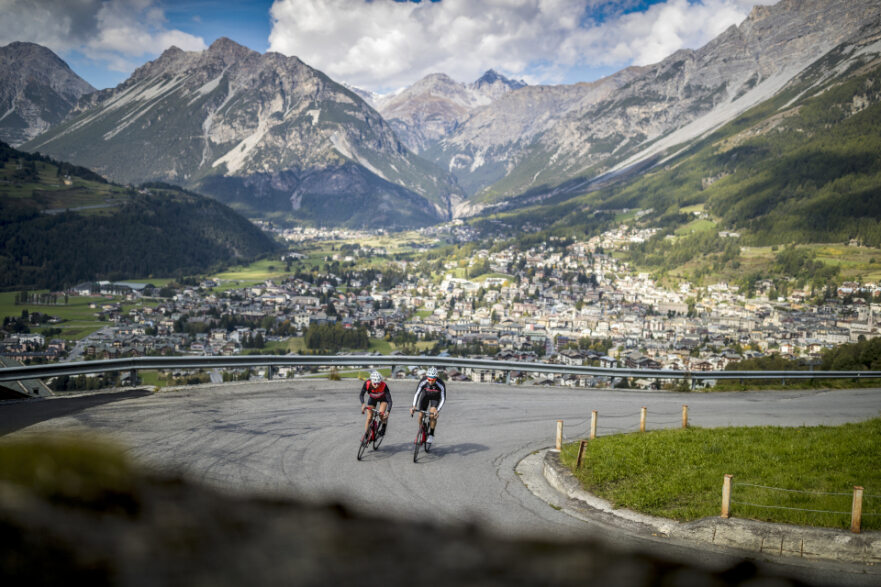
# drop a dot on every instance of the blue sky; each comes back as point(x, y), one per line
point(381, 45)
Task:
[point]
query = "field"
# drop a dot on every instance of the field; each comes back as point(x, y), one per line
point(248, 275)
point(699, 225)
point(79, 318)
point(385, 347)
point(289, 346)
point(51, 192)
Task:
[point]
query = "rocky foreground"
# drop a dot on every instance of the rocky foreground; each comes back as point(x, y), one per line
point(81, 512)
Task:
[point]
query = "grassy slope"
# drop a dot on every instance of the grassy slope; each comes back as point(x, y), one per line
point(678, 473)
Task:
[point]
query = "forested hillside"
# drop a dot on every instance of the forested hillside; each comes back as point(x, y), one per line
point(800, 169)
point(61, 224)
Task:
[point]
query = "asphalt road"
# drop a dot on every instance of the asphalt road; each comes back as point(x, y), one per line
point(299, 438)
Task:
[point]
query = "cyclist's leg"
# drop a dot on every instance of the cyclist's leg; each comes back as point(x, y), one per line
point(386, 406)
point(423, 406)
point(433, 415)
point(383, 412)
point(371, 403)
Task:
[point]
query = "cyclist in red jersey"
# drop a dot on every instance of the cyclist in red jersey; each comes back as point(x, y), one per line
point(379, 396)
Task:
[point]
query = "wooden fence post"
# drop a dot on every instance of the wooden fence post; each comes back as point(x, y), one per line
point(593, 424)
point(581, 447)
point(685, 416)
point(559, 442)
point(726, 496)
point(642, 419)
point(856, 511)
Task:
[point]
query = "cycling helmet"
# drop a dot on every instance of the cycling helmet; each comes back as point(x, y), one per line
point(375, 377)
point(431, 373)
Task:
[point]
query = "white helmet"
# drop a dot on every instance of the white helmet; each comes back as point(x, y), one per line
point(431, 373)
point(375, 377)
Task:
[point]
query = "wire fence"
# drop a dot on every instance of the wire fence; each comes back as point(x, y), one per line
point(800, 506)
point(794, 506)
point(620, 422)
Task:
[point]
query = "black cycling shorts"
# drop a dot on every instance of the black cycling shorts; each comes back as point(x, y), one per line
point(429, 399)
point(375, 401)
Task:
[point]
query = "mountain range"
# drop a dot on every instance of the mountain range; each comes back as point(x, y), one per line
point(275, 138)
point(265, 133)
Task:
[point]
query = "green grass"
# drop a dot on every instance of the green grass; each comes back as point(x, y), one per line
point(695, 226)
point(678, 473)
point(79, 318)
point(361, 374)
point(152, 378)
point(385, 347)
point(289, 346)
point(252, 274)
point(70, 469)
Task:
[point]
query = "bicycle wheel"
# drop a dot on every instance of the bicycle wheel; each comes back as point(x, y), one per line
point(377, 437)
point(363, 446)
point(420, 438)
point(427, 444)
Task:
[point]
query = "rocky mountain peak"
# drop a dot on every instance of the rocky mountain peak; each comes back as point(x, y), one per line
point(37, 90)
point(492, 77)
point(172, 52)
point(230, 50)
point(434, 106)
point(436, 81)
point(24, 51)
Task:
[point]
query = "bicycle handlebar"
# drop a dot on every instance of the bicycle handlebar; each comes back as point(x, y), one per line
point(436, 414)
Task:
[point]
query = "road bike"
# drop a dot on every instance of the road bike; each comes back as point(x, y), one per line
point(372, 435)
point(422, 434)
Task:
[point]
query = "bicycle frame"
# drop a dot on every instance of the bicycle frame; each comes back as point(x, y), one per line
point(422, 434)
point(372, 433)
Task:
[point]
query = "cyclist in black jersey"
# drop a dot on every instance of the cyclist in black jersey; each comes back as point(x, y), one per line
point(379, 396)
point(431, 393)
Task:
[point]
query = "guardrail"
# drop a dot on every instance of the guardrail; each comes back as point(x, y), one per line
point(246, 361)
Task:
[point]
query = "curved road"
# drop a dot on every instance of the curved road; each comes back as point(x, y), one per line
point(299, 438)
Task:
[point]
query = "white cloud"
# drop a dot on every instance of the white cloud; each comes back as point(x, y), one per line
point(648, 37)
point(119, 33)
point(382, 44)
